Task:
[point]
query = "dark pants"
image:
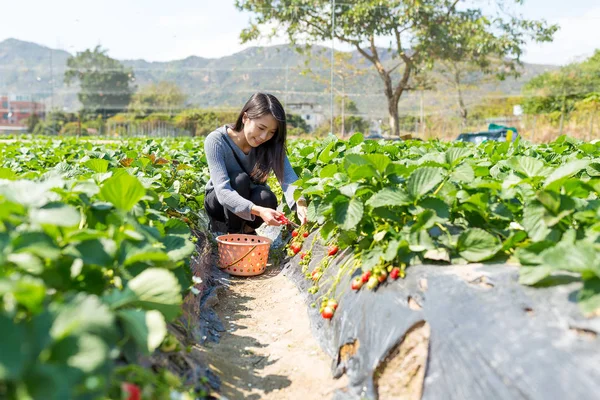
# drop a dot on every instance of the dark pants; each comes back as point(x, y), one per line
point(259, 195)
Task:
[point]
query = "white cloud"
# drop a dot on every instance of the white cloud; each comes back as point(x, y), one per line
point(577, 38)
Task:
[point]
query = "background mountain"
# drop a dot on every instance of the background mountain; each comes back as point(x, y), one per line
point(33, 70)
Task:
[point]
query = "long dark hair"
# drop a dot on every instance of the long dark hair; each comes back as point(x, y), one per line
point(271, 154)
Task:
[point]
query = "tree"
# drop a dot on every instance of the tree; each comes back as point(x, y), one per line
point(419, 30)
point(477, 55)
point(296, 121)
point(558, 92)
point(157, 97)
point(104, 82)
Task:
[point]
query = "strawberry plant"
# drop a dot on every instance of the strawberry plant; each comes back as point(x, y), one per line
point(93, 267)
point(410, 203)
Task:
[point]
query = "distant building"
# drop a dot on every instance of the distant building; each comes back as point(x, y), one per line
point(14, 111)
point(311, 113)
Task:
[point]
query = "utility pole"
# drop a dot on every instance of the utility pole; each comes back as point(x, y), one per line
point(285, 96)
point(332, 51)
point(51, 83)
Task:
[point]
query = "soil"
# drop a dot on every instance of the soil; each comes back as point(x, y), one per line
point(268, 350)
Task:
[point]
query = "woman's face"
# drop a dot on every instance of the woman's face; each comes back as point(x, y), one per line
point(259, 130)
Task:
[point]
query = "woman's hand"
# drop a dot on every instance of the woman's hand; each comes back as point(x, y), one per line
point(302, 211)
point(268, 215)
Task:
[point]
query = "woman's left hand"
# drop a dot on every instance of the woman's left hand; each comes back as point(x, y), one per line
point(302, 212)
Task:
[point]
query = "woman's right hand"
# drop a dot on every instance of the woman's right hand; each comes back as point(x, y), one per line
point(268, 215)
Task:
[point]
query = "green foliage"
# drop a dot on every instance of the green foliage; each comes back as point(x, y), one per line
point(162, 97)
point(202, 122)
point(296, 121)
point(92, 267)
point(104, 82)
point(561, 91)
point(404, 203)
point(32, 121)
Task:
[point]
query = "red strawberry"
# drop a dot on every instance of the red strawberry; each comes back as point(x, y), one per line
point(302, 255)
point(357, 283)
point(133, 391)
point(294, 233)
point(394, 273)
point(295, 248)
point(382, 276)
point(327, 313)
point(332, 303)
point(305, 234)
point(365, 276)
point(332, 250)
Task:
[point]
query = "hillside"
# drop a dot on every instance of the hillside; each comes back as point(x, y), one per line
point(31, 69)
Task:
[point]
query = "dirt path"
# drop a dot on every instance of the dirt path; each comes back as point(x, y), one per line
point(268, 350)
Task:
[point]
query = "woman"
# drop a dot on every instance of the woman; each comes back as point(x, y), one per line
point(240, 159)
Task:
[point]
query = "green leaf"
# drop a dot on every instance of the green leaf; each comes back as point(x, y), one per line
point(30, 292)
point(99, 252)
point(123, 191)
point(7, 173)
point(477, 245)
point(347, 214)
point(589, 297)
point(423, 180)
point(147, 328)
point(157, 289)
point(56, 214)
point(580, 257)
point(528, 166)
point(379, 161)
point(355, 159)
point(566, 170)
point(463, 173)
point(177, 227)
point(439, 206)
point(84, 313)
point(146, 253)
point(91, 353)
point(97, 165)
point(356, 172)
point(455, 154)
point(356, 139)
point(37, 243)
point(532, 275)
point(27, 262)
point(328, 171)
point(178, 248)
point(12, 360)
point(533, 222)
point(389, 197)
point(349, 190)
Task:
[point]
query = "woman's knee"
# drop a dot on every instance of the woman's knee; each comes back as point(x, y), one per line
point(241, 183)
point(264, 197)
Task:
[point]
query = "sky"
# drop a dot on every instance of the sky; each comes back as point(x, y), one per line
point(158, 30)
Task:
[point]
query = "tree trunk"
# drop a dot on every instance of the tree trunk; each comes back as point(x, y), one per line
point(462, 109)
point(393, 116)
point(392, 93)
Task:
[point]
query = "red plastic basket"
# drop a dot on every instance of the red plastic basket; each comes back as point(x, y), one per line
point(243, 255)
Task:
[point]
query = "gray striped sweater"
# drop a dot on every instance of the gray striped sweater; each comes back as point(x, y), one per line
point(222, 164)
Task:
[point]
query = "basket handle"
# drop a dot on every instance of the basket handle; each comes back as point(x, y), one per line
point(242, 257)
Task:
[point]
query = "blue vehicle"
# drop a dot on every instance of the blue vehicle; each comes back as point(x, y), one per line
point(495, 132)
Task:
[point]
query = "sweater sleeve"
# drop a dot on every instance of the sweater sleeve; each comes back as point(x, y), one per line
point(287, 186)
point(216, 155)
